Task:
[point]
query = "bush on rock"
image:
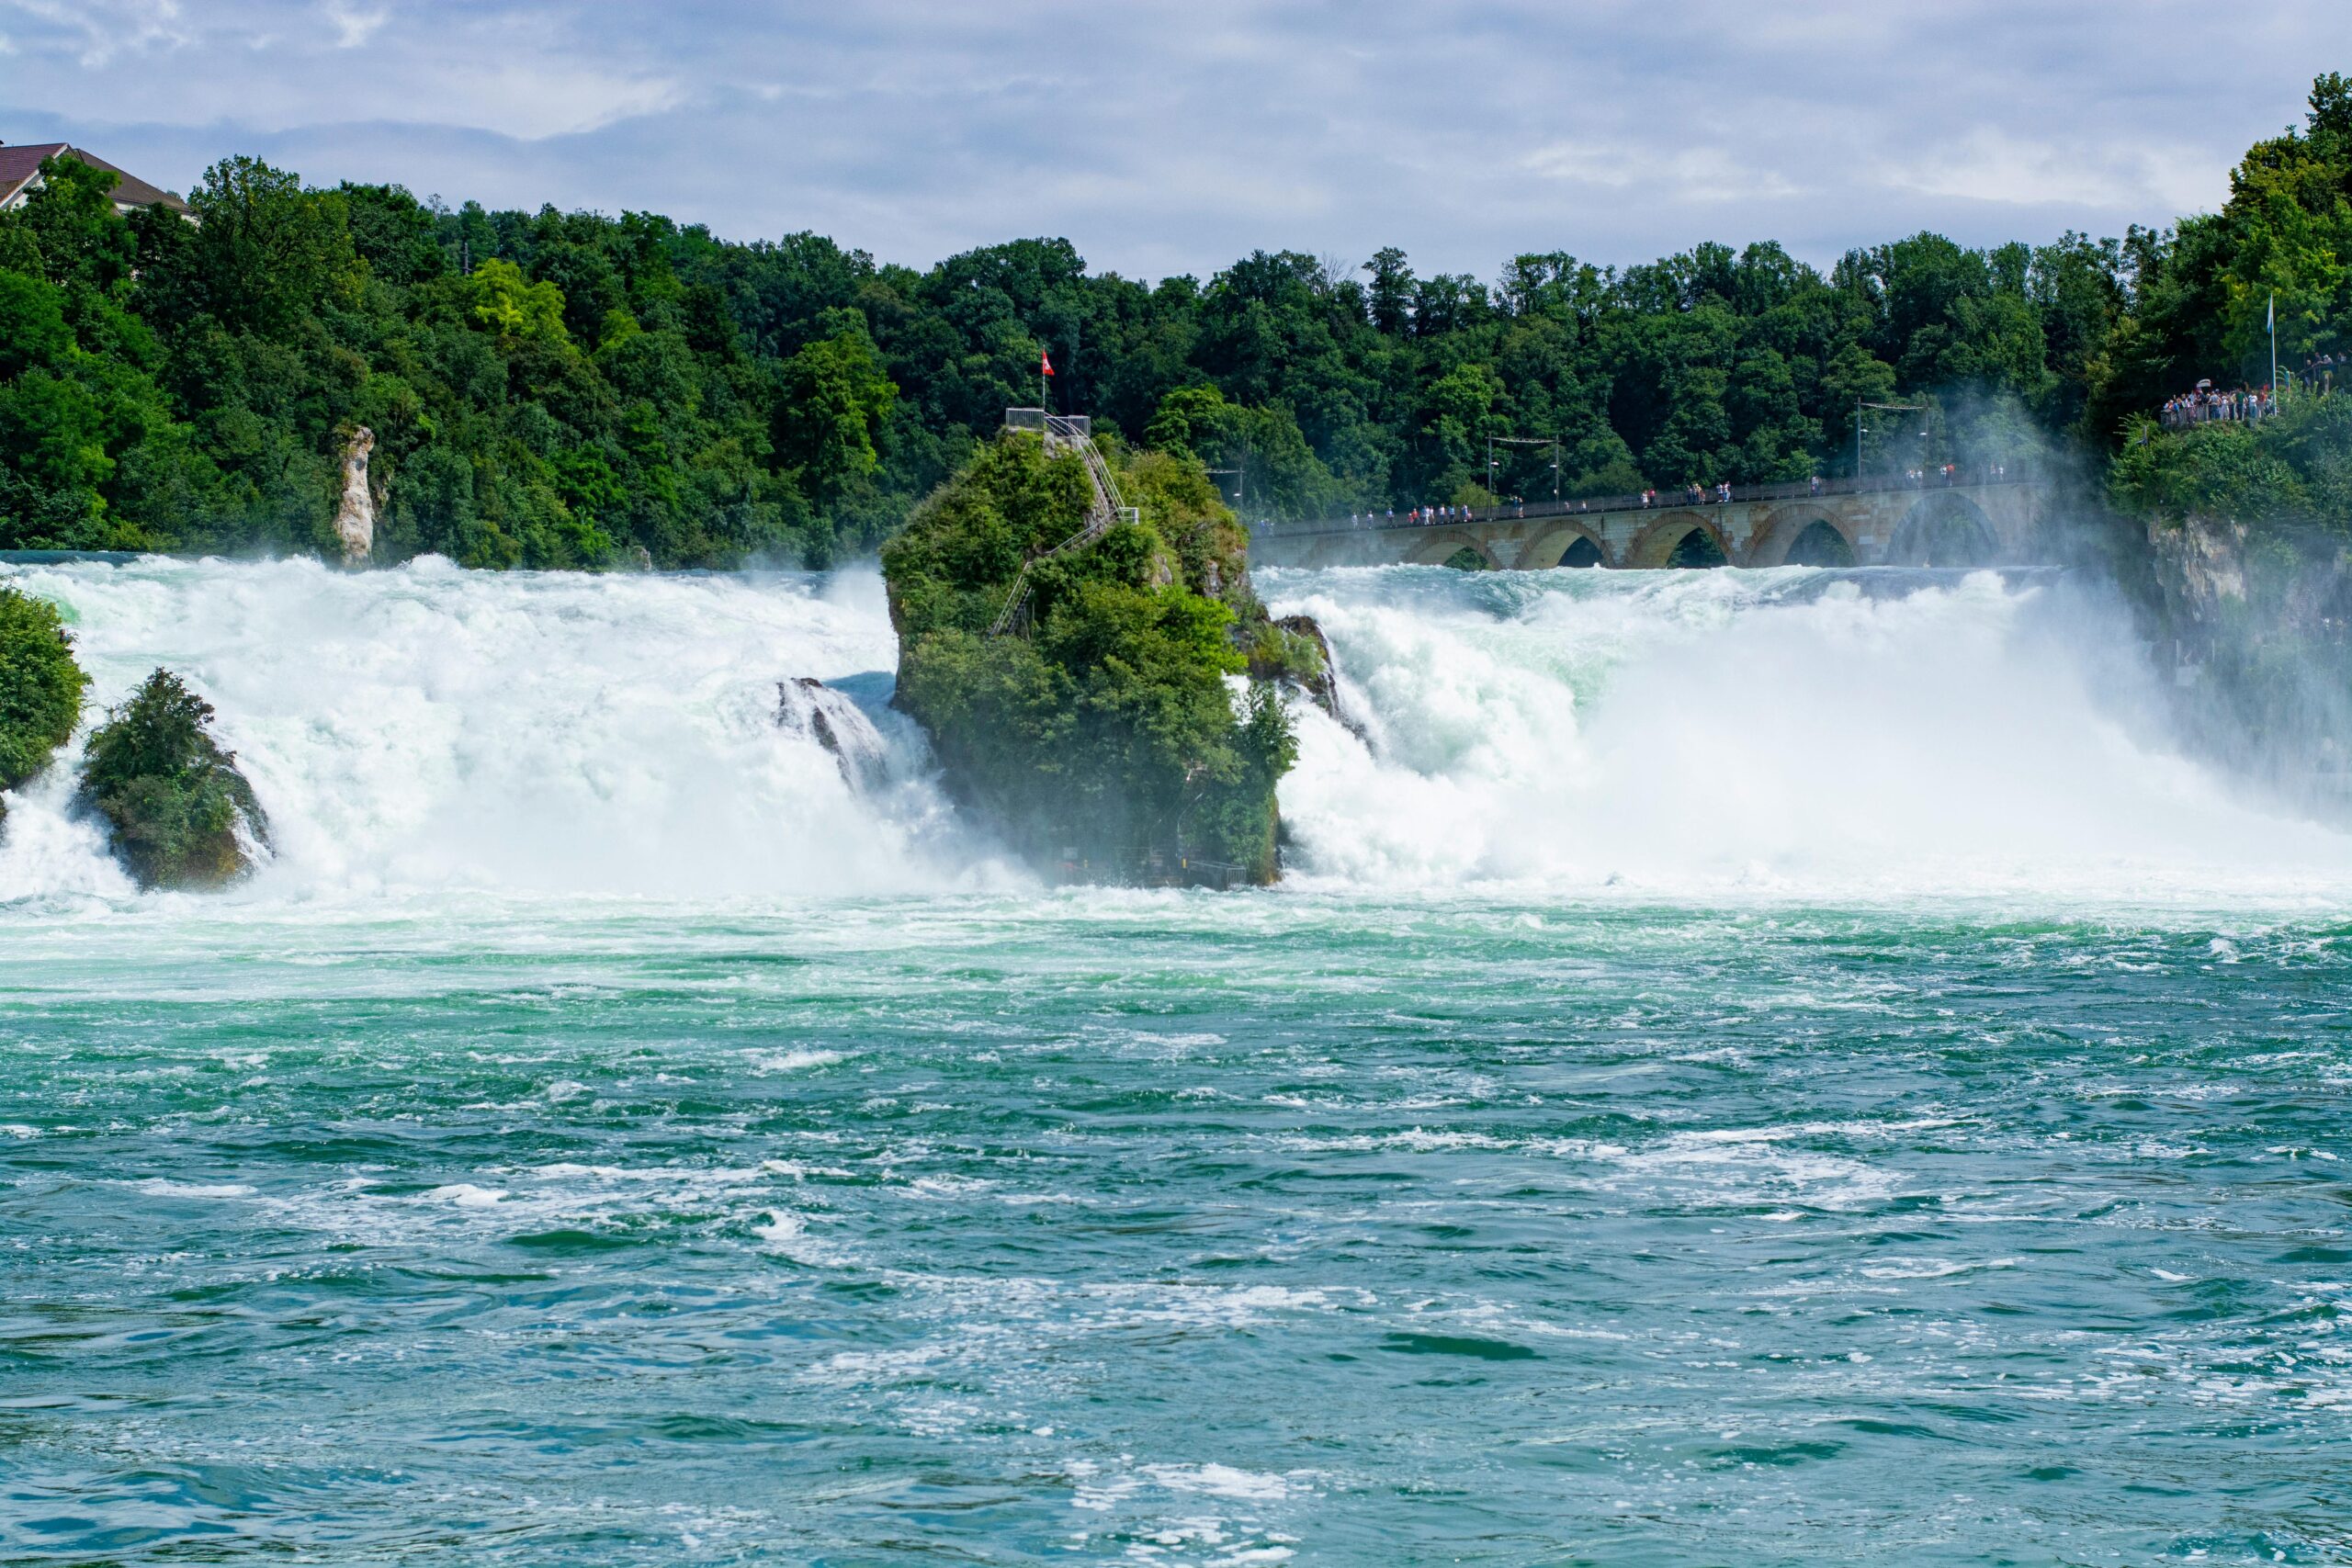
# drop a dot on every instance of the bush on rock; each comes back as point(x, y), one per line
point(1099, 733)
point(180, 813)
point(41, 686)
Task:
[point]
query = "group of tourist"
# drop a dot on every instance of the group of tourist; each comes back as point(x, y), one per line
point(1693, 494)
point(1696, 494)
point(1419, 516)
point(2206, 404)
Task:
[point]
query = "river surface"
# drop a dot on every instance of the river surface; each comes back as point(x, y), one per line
point(1769, 1068)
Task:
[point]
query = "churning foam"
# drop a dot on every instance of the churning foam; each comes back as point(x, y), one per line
point(1780, 731)
point(1788, 732)
point(424, 726)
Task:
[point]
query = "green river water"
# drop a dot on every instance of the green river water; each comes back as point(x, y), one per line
point(1746, 1068)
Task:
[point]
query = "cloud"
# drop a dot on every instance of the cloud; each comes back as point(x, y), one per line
point(1670, 173)
point(101, 31)
point(1165, 136)
point(354, 25)
point(1990, 164)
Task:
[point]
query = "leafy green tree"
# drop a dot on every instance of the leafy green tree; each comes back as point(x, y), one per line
point(513, 307)
point(41, 686)
point(71, 221)
point(834, 401)
point(272, 252)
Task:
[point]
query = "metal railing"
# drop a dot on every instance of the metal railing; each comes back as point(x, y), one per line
point(1106, 507)
point(1655, 501)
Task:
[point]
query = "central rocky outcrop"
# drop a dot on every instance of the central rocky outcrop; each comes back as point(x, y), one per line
point(1098, 681)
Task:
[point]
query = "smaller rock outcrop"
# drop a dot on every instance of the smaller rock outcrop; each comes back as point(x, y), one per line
point(808, 707)
point(178, 811)
point(354, 516)
point(1298, 655)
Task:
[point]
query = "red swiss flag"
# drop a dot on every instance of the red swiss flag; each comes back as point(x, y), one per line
point(1044, 362)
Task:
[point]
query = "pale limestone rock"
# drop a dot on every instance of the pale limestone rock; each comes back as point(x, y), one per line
point(354, 519)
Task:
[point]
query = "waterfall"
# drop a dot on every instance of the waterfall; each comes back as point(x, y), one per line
point(1789, 733)
point(806, 706)
point(426, 728)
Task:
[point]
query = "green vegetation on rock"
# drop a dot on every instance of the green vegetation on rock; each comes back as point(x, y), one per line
point(1100, 733)
point(178, 811)
point(2294, 467)
point(41, 686)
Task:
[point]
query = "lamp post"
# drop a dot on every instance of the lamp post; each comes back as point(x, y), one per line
point(1551, 441)
point(1859, 427)
point(1236, 472)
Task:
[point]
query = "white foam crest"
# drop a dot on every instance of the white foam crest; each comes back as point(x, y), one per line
point(1781, 732)
point(424, 727)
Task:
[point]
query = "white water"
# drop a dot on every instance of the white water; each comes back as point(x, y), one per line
point(1653, 734)
point(1777, 732)
point(428, 727)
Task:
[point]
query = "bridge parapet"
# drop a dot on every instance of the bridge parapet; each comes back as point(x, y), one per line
point(1989, 521)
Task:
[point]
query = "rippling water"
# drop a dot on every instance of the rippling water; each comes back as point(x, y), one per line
point(1441, 1207)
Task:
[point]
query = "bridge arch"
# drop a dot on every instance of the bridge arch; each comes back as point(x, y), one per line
point(1440, 546)
point(1654, 546)
point(1944, 529)
point(1573, 546)
point(1810, 534)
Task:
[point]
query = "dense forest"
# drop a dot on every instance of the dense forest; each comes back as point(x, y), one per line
point(560, 388)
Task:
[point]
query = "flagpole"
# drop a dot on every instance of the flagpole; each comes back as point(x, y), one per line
point(2274, 345)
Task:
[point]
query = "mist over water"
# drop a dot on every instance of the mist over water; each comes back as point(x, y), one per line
point(1786, 731)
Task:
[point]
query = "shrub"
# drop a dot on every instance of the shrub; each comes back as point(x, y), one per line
point(41, 686)
point(173, 799)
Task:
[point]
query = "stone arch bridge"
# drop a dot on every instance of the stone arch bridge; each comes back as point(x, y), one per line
point(1988, 523)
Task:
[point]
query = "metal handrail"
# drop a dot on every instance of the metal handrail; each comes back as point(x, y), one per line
point(1106, 509)
point(1791, 490)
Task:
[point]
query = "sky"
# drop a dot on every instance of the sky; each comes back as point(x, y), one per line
point(1167, 136)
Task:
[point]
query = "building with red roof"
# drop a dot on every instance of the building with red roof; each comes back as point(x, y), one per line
point(20, 176)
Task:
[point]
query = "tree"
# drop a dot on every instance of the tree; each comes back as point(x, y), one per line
point(271, 253)
point(41, 686)
point(513, 307)
point(835, 400)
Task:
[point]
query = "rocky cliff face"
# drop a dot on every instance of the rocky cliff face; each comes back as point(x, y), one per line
point(2199, 569)
point(1299, 658)
point(808, 707)
point(354, 517)
point(2255, 625)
